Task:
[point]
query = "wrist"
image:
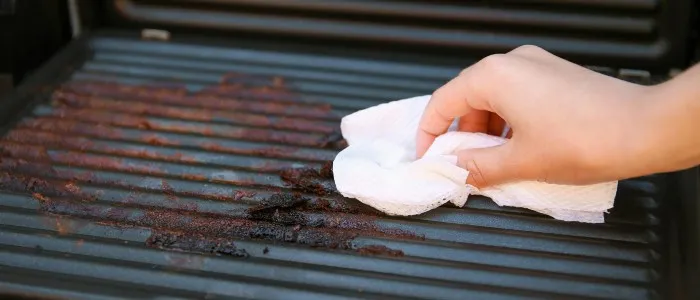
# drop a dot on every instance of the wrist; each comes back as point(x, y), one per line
point(634, 131)
point(667, 140)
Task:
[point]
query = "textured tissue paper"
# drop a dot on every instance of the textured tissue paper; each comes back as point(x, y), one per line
point(379, 169)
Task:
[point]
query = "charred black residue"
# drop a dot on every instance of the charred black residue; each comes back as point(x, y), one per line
point(326, 170)
point(279, 201)
point(310, 180)
point(333, 140)
point(279, 208)
point(280, 216)
point(183, 242)
point(287, 221)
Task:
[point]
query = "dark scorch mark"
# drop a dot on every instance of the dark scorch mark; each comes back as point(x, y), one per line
point(189, 243)
point(311, 180)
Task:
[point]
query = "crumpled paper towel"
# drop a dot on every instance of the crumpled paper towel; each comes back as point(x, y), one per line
point(379, 169)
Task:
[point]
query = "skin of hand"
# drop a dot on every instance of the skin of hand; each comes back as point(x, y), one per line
point(570, 125)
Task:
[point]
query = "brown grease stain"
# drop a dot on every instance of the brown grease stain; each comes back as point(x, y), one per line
point(110, 111)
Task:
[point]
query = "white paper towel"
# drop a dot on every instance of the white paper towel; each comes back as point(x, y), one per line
point(379, 169)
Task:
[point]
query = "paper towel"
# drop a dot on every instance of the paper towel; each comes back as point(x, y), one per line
point(379, 169)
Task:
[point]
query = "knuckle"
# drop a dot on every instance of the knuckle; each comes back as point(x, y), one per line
point(494, 60)
point(438, 109)
point(438, 93)
point(493, 65)
point(528, 49)
point(442, 94)
point(490, 72)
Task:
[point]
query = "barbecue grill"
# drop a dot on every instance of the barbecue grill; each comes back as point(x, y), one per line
point(180, 149)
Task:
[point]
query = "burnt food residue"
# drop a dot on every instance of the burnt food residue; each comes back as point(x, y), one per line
point(59, 158)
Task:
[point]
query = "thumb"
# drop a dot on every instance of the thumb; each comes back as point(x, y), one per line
point(487, 166)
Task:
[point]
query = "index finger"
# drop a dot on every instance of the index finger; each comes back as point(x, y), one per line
point(446, 104)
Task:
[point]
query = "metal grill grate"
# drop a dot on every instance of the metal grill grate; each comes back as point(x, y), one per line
point(148, 174)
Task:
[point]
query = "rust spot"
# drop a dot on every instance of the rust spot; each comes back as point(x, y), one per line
point(66, 126)
point(79, 243)
point(269, 151)
point(195, 177)
point(100, 109)
point(40, 189)
point(277, 82)
point(158, 141)
point(241, 182)
point(49, 139)
point(281, 152)
point(211, 146)
point(25, 151)
point(205, 196)
point(40, 197)
point(379, 250)
point(222, 97)
point(61, 227)
point(145, 125)
point(240, 195)
point(71, 187)
point(168, 190)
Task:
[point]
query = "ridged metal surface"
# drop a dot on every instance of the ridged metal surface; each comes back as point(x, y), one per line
point(96, 177)
point(629, 33)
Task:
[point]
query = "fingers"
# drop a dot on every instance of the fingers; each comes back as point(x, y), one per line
point(423, 141)
point(433, 123)
point(487, 166)
point(469, 95)
point(446, 104)
point(475, 121)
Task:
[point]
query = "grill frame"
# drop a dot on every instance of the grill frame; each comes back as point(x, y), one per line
point(61, 67)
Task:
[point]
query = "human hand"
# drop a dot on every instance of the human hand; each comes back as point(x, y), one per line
point(570, 125)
